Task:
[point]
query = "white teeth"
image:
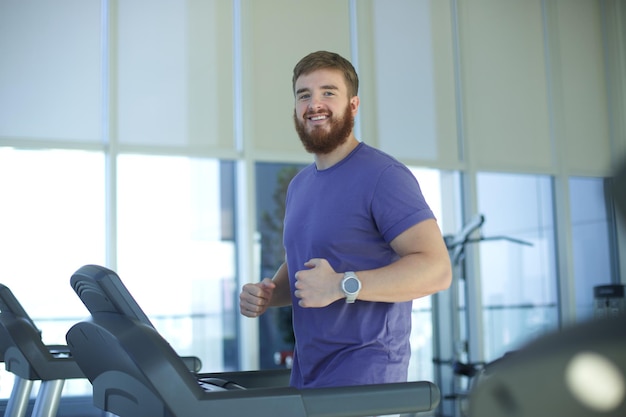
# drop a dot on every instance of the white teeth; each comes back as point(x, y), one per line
point(315, 118)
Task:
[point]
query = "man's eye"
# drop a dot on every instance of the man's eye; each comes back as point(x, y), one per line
point(303, 96)
point(329, 93)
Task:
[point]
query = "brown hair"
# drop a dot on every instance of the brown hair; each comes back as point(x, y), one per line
point(327, 60)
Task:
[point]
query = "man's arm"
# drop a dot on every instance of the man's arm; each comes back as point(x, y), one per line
point(282, 292)
point(423, 269)
point(255, 299)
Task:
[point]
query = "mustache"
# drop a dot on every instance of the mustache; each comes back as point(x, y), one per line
point(314, 113)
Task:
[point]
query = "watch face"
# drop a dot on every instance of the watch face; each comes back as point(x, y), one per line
point(351, 285)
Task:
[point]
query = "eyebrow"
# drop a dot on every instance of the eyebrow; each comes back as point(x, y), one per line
point(324, 87)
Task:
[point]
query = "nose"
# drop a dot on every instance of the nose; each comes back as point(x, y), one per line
point(313, 108)
point(315, 103)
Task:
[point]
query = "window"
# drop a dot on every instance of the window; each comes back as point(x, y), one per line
point(592, 228)
point(175, 240)
point(517, 260)
point(276, 340)
point(176, 251)
point(52, 221)
point(420, 366)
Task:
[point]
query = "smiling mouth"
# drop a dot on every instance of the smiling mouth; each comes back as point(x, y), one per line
point(318, 117)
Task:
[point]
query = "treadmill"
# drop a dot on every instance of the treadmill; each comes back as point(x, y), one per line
point(26, 356)
point(136, 373)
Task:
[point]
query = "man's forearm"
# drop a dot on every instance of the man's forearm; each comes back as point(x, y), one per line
point(282, 292)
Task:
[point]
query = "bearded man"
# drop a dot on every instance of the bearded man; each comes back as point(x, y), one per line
point(360, 241)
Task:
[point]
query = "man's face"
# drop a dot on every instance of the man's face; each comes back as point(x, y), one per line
point(323, 114)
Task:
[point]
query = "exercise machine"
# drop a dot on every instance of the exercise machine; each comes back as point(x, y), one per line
point(136, 373)
point(579, 371)
point(26, 356)
point(456, 364)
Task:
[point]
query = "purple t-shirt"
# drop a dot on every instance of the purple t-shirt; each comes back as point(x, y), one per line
point(348, 214)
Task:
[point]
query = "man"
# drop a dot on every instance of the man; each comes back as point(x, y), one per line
point(360, 242)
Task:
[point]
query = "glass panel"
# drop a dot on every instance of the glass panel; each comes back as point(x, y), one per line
point(52, 221)
point(421, 364)
point(276, 338)
point(517, 260)
point(591, 241)
point(50, 77)
point(176, 251)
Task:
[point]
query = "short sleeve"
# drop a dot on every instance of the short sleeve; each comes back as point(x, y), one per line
point(398, 202)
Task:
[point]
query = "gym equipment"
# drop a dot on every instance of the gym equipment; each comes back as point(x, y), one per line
point(29, 359)
point(579, 371)
point(608, 300)
point(457, 363)
point(26, 356)
point(136, 373)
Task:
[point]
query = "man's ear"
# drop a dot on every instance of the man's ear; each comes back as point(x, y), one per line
point(354, 104)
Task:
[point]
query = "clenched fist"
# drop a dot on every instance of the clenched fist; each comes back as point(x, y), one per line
point(318, 285)
point(255, 298)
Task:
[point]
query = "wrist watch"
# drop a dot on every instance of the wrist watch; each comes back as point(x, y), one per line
point(350, 286)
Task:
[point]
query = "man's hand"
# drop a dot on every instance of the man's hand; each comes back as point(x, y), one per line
point(319, 285)
point(254, 299)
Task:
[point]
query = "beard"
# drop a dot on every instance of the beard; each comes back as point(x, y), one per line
point(320, 140)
